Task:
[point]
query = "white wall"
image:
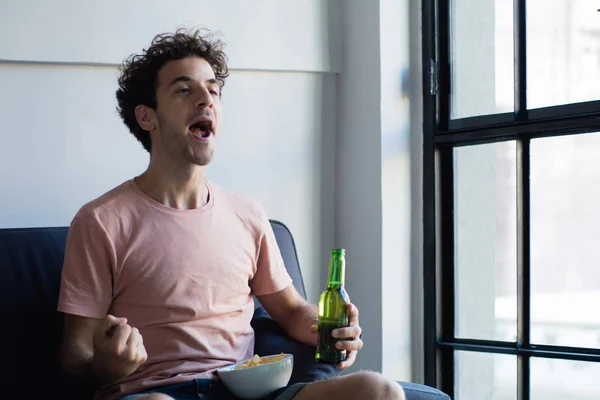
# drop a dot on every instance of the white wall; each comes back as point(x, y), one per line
point(62, 142)
point(358, 185)
point(373, 180)
point(268, 34)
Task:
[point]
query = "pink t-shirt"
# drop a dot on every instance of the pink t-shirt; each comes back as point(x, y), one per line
point(185, 279)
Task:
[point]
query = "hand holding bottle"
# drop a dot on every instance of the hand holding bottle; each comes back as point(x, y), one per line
point(350, 337)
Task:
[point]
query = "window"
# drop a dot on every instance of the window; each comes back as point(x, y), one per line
point(511, 188)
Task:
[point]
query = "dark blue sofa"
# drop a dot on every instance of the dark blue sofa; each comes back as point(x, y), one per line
point(30, 265)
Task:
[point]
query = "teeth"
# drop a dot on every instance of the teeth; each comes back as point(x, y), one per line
point(202, 129)
point(204, 126)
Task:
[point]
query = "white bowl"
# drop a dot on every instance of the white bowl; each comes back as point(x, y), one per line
point(259, 381)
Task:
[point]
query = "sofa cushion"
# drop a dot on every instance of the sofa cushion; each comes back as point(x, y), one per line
point(30, 267)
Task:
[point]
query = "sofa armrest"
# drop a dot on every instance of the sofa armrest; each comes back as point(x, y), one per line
point(270, 338)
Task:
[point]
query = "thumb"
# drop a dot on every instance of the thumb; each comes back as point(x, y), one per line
point(314, 328)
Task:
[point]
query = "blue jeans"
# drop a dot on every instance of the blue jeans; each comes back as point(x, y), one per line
point(209, 389)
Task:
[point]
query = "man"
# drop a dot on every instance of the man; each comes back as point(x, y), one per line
point(159, 272)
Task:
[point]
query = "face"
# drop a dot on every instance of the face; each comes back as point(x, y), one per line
point(187, 118)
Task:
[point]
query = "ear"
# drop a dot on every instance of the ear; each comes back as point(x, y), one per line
point(145, 117)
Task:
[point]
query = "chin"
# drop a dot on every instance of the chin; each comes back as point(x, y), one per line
point(201, 160)
point(202, 163)
point(200, 157)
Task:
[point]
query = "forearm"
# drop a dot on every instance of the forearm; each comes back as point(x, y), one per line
point(298, 324)
point(76, 362)
point(78, 366)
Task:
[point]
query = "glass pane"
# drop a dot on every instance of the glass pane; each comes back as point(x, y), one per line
point(485, 376)
point(481, 52)
point(564, 379)
point(565, 240)
point(563, 52)
point(485, 231)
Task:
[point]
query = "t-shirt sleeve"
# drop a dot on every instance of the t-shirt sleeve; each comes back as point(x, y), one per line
point(86, 283)
point(271, 275)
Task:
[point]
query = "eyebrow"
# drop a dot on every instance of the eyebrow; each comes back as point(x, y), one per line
point(185, 78)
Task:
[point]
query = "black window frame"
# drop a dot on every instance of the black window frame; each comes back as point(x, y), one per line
point(441, 135)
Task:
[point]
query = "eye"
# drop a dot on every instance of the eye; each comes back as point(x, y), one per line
point(184, 90)
point(214, 92)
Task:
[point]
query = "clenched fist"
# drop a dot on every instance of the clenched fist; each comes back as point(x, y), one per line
point(118, 349)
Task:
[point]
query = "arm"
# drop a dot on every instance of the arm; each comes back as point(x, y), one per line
point(96, 348)
point(294, 314)
point(298, 318)
point(77, 349)
point(100, 351)
point(291, 311)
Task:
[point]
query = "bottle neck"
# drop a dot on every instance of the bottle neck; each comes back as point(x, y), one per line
point(337, 270)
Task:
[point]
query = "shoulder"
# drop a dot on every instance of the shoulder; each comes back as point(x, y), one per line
point(107, 207)
point(237, 202)
point(246, 209)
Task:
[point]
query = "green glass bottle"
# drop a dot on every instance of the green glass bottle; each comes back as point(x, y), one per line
point(333, 310)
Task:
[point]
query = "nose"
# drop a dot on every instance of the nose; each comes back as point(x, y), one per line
point(204, 98)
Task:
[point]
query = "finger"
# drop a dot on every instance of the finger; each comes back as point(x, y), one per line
point(349, 345)
point(120, 337)
point(133, 344)
point(115, 320)
point(352, 314)
point(142, 354)
point(110, 323)
point(350, 332)
point(134, 337)
point(350, 358)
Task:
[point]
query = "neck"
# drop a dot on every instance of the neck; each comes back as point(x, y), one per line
point(182, 187)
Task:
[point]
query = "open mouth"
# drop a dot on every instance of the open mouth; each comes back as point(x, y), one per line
point(202, 129)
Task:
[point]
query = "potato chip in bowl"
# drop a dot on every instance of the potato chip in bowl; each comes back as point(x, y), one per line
point(256, 360)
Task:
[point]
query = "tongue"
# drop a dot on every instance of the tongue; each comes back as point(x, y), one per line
point(200, 132)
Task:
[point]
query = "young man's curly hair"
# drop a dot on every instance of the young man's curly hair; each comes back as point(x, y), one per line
point(139, 73)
